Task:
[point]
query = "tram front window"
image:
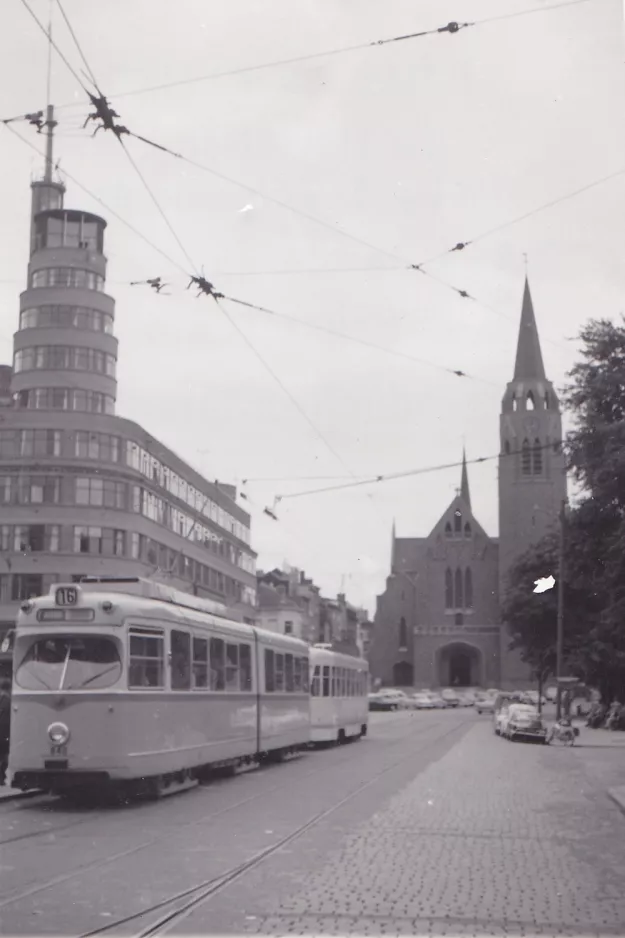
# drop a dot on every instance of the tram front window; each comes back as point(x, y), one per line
point(69, 663)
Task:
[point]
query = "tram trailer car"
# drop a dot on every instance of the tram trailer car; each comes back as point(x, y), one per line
point(339, 688)
point(129, 683)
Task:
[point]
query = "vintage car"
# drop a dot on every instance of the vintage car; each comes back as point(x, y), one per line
point(522, 721)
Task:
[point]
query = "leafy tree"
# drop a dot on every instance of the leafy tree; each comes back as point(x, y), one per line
point(594, 587)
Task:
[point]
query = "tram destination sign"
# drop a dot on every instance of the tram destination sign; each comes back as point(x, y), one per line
point(66, 596)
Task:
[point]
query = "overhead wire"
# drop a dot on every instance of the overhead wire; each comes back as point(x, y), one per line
point(392, 476)
point(77, 43)
point(54, 45)
point(277, 63)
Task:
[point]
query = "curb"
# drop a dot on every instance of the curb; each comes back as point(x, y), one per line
point(18, 795)
point(618, 797)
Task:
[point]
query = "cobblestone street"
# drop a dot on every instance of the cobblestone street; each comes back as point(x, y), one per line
point(494, 838)
point(431, 826)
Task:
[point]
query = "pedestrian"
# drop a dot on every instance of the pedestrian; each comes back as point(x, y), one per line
point(5, 726)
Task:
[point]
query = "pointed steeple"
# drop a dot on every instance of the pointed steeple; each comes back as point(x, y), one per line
point(464, 480)
point(529, 359)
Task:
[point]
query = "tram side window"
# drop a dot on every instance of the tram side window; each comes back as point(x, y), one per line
point(297, 675)
point(218, 664)
point(180, 660)
point(288, 674)
point(146, 661)
point(306, 675)
point(200, 662)
point(232, 667)
point(326, 680)
point(316, 681)
point(245, 668)
point(270, 683)
point(279, 672)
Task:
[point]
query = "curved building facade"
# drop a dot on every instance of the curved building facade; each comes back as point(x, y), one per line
point(83, 491)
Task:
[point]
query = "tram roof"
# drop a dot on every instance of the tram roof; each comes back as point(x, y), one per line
point(324, 652)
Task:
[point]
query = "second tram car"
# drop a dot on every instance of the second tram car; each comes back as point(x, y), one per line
point(339, 687)
point(128, 681)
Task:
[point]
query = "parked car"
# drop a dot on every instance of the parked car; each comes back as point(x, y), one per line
point(484, 703)
point(437, 701)
point(531, 697)
point(450, 697)
point(382, 701)
point(523, 721)
point(421, 701)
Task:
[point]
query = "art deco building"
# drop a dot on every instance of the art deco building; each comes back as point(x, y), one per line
point(82, 490)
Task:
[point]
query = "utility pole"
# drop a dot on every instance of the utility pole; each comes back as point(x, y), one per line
point(560, 621)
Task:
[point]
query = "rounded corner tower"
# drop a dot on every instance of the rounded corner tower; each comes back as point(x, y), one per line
point(65, 353)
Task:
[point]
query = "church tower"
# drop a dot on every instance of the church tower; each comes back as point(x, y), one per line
point(532, 478)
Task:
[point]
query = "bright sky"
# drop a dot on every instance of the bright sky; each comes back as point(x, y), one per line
point(411, 147)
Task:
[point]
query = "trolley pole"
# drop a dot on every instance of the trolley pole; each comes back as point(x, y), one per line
point(560, 620)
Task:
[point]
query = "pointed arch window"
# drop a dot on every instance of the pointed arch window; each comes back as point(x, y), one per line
point(537, 458)
point(458, 590)
point(467, 530)
point(403, 633)
point(449, 589)
point(546, 400)
point(515, 403)
point(530, 403)
point(506, 447)
point(457, 521)
point(448, 531)
point(468, 588)
point(526, 458)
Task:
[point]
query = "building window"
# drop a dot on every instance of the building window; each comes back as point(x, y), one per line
point(135, 545)
point(96, 540)
point(66, 317)
point(36, 537)
point(467, 530)
point(526, 458)
point(26, 586)
point(106, 493)
point(403, 633)
point(506, 447)
point(64, 358)
point(458, 590)
point(468, 588)
point(5, 537)
point(9, 443)
point(65, 399)
point(40, 443)
point(537, 458)
point(459, 619)
point(530, 403)
point(457, 521)
point(101, 446)
point(288, 628)
point(449, 589)
point(72, 277)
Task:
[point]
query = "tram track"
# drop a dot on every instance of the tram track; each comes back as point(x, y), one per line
point(214, 884)
point(187, 900)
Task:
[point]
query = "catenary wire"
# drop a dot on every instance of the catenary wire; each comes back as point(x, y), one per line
point(211, 76)
point(77, 43)
point(389, 477)
point(281, 384)
point(174, 263)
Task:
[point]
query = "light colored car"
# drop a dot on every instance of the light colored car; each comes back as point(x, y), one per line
point(421, 701)
point(484, 703)
point(523, 721)
point(450, 697)
point(437, 701)
point(467, 697)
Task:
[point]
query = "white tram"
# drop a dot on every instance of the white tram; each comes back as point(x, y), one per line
point(339, 687)
point(131, 682)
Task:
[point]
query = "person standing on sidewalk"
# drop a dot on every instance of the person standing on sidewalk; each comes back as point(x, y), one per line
point(5, 727)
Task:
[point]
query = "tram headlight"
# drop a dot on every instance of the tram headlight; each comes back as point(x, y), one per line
point(58, 733)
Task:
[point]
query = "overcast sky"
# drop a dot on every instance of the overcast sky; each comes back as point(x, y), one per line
point(411, 147)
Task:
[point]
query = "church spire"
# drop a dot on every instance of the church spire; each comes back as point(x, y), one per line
point(529, 359)
point(464, 480)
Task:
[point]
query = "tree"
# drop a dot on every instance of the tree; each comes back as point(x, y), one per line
point(594, 587)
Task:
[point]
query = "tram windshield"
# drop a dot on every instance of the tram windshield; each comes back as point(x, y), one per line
point(69, 663)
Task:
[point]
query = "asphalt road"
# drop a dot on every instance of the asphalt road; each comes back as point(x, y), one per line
point(432, 825)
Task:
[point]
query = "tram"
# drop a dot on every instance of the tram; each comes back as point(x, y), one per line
point(339, 687)
point(123, 682)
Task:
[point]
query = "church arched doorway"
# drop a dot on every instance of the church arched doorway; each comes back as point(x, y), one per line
point(459, 665)
point(402, 674)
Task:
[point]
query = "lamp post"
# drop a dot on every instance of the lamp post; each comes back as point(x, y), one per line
point(560, 619)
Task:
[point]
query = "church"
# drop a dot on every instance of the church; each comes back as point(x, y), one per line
point(438, 621)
